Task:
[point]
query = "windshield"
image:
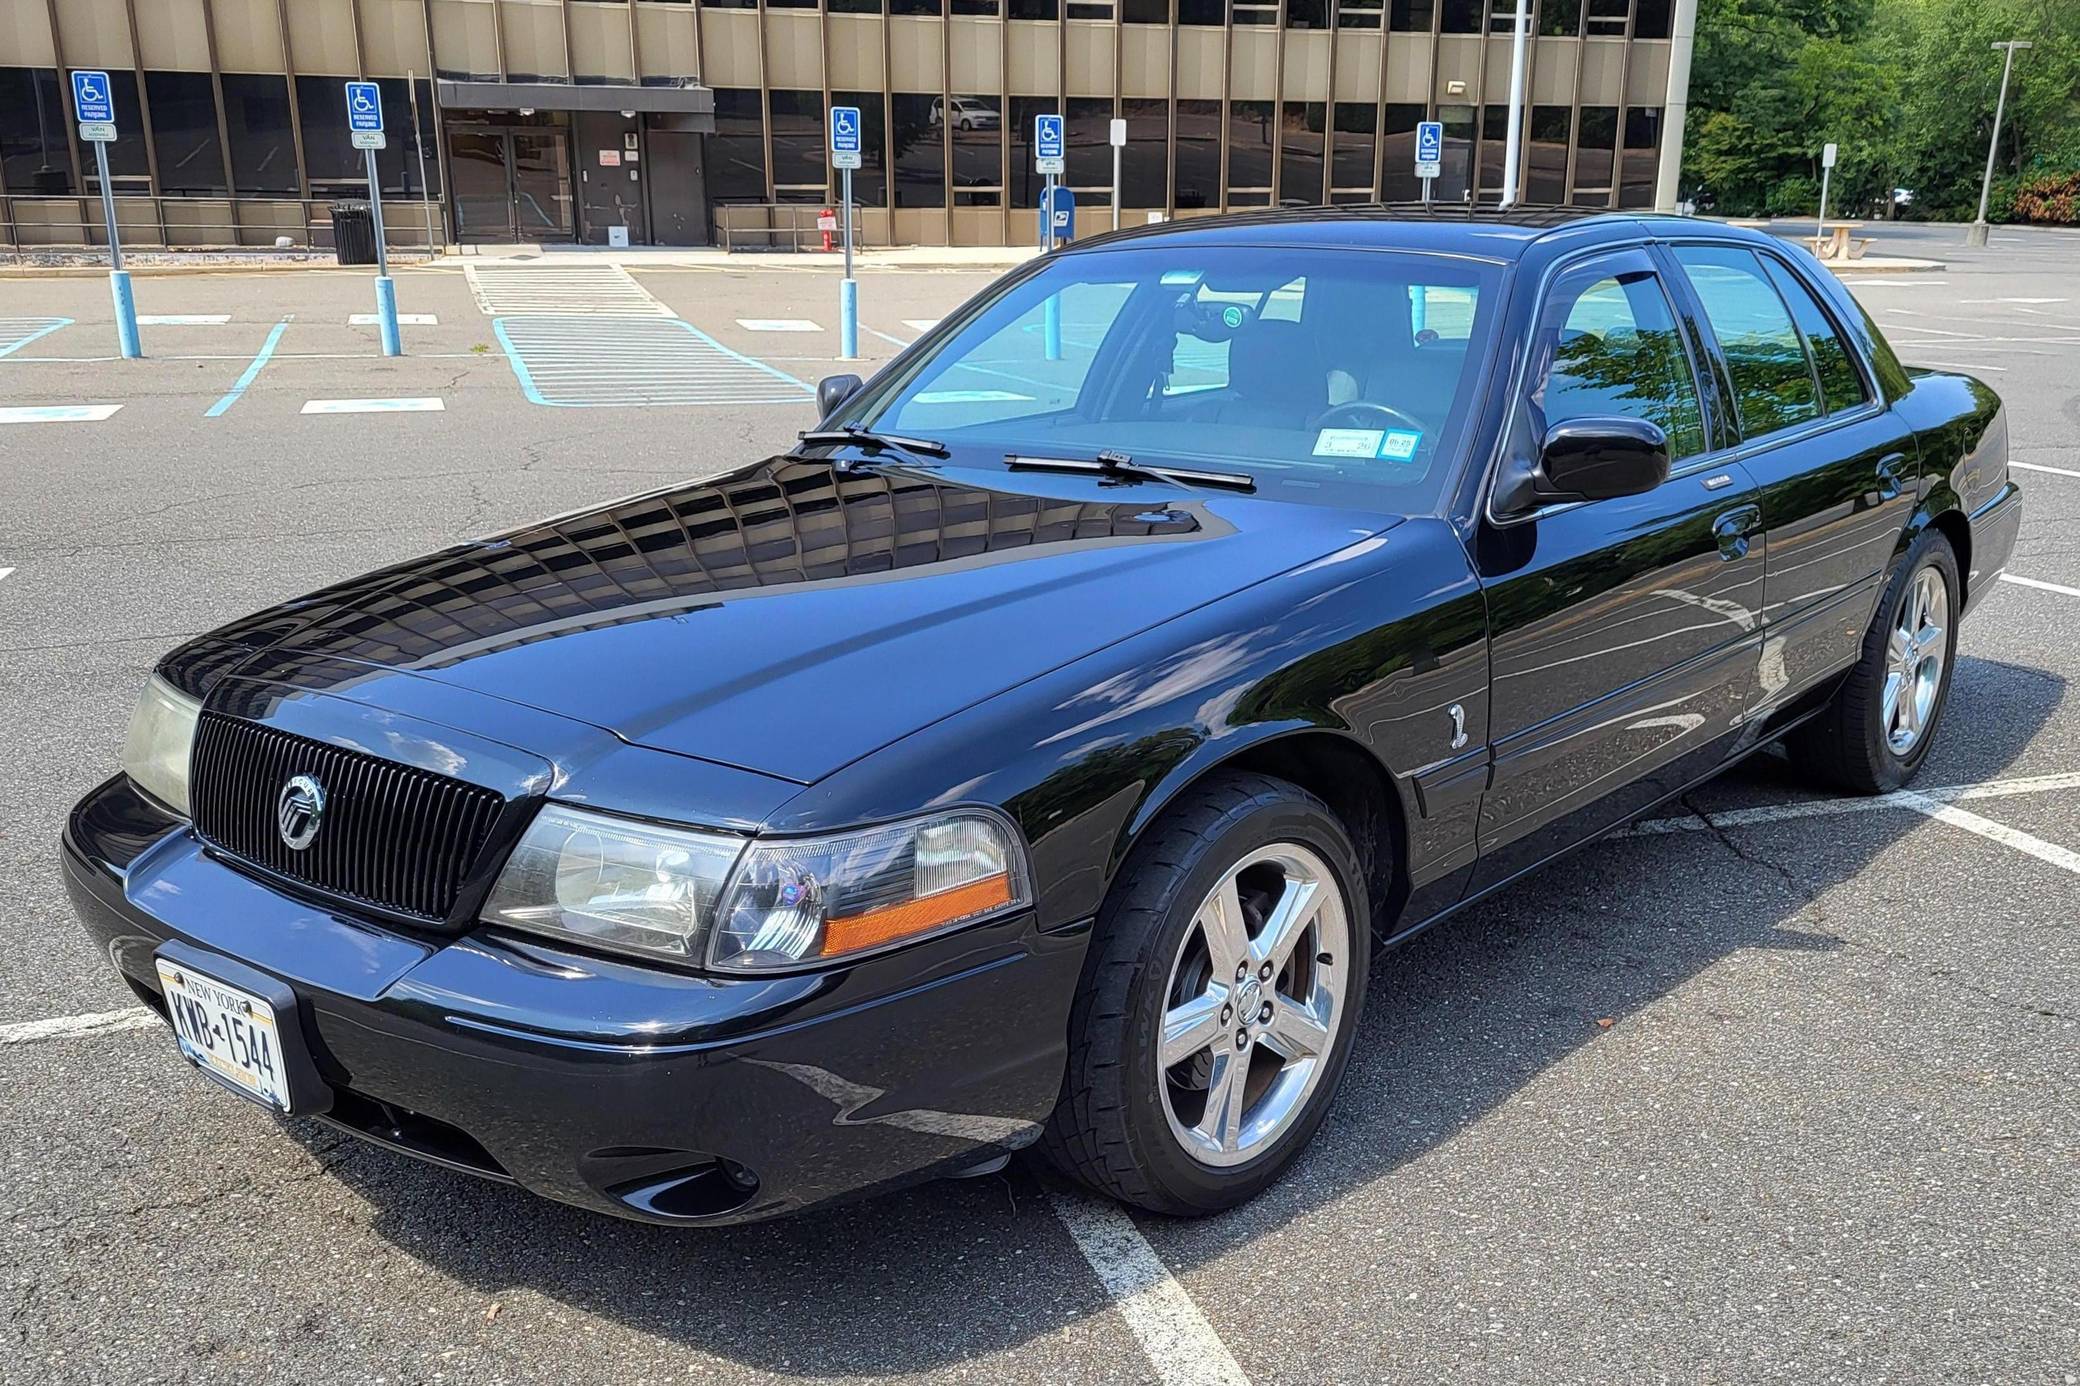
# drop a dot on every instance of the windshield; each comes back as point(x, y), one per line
point(1339, 376)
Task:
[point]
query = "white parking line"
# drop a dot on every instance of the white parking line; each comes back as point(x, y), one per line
point(777, 325)
point(403, 320)
point(1987, 828)
point(921, 324)
point(62, 1027)
point(4, 572)
point(2040, 467)
point(428, 405)
point(183, 319)
point(57, 413)
point(2041, 586)
point(1823, 808)
point(1178, 1341)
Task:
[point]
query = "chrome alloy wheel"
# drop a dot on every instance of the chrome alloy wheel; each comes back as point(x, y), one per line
point(1254, 1004)
point(1914, 660)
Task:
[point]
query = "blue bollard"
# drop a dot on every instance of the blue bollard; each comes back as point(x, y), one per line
point(848, 319)
point(126, 314)
point(1054, 327)
point(386, 315)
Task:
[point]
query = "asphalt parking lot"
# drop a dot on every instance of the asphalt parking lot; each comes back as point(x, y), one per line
point(1774, 1087)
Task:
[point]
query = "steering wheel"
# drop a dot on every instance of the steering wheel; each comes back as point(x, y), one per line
point(1363, 413)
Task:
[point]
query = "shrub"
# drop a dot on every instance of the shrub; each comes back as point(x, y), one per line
point(2052, 198)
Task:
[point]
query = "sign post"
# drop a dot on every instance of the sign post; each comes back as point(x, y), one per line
point(1049, 160)
point(845, 151)
point(1119, 142)
point(365, 124)
point(1827, 154)
point(1429, 154)
point(94, 102)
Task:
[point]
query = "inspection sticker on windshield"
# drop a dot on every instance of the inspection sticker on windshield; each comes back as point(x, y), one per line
point(1348, 442)
point(1399, 444)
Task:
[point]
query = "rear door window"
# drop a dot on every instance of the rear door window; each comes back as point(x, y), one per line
point(1841, 384)
point(1773, 380)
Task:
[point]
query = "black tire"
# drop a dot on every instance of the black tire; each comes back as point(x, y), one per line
point(1846, 746)
point(1110, 1131)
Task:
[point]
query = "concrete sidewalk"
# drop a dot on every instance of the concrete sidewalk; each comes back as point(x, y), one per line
point(913, 257)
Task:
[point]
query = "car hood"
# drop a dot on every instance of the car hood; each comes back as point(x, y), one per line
point(792, 617)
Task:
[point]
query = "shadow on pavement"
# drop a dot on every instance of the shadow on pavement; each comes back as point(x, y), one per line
point(1460, 1019)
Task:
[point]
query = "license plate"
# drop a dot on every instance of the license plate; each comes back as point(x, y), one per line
point(230, 1034)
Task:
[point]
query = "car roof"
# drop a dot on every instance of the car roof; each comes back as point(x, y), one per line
point(1492, 232)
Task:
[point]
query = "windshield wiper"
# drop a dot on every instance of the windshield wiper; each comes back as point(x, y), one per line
point(868, 438)
point(1110, 463)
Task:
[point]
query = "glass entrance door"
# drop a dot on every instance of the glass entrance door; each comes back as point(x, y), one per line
point(512, 185)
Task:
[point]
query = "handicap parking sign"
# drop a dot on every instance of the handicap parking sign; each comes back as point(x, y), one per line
point(845, 137)
point(365, 114)
point(91, 97)
point(1429, 148)
point(1047, 144)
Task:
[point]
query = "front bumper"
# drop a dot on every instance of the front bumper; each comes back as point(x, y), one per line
point(630, 1090)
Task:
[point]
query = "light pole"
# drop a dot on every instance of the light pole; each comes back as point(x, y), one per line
point(1675, 108)
point(1511, 143)
point(1976, 235)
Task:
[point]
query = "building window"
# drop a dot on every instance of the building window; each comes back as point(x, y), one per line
point(1559, 18)
point(1650, 19)
point(974, 9)
point(799, 168)
point(1198, 182)
point(729, 4)
point(1606, 18)
point(126, 161)
point(978, 149)
point(1411, 16)
point(1087, 130)
point(1307, 14)
point(34, 125)
point(1641, 158)
point(1359, 14)
point(736, 152)
point(1144, 163)
point(1302, 125)
point(1090, 9)
point(1145, 11)
point(870, 179)
point(791, 4)
point(922, 7)
point(184, 134)
point(1026, 181)
point(1350, 177)
point(1254, 12)
point(263, 148)
point(1397, 170)
point(1494, 150)
point(1249, 153)
point(1209, 14)
point(1036, 9)
point(1454, 179)
point(1462, 16)
point(1545, 182)
point(853, 7)
point(920, 151)
point(1595, 139)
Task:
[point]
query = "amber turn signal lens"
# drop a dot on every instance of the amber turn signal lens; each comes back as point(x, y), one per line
point(873, 928)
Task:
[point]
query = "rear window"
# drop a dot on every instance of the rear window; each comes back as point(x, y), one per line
point(1335, 375)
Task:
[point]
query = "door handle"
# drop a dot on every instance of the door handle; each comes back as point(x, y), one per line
point(1732, 530)
point(1888, 475)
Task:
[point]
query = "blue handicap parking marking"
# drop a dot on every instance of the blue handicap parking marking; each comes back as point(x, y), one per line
point(16, 333)
point(601, 361)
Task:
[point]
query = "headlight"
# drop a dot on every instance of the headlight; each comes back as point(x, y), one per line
point(160, 740)
point(760, 906)
point(820, 899)
point(613, 882)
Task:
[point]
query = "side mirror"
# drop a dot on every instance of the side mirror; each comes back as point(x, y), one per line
point(1600, 459)
point(834, 390)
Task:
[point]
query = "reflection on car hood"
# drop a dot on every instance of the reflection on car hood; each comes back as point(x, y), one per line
point(792, 617)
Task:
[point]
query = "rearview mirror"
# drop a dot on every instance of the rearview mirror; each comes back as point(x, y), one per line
point(1600, 459)
point(834, 390)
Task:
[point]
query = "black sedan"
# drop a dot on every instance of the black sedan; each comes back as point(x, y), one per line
point(1039, 752)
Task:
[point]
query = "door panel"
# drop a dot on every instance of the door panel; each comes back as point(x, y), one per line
point(483, 194)
point(1836, 471)
point(1625, 632)
point(542, 185)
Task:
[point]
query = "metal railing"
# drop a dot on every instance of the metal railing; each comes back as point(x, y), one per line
point(788, 226)
point(60, 224)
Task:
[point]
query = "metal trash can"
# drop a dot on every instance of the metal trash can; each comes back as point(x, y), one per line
point(353, 233)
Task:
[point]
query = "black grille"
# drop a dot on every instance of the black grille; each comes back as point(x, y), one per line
point(392, 836)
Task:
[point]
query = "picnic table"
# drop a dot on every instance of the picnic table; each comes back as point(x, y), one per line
point(1838, 241)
